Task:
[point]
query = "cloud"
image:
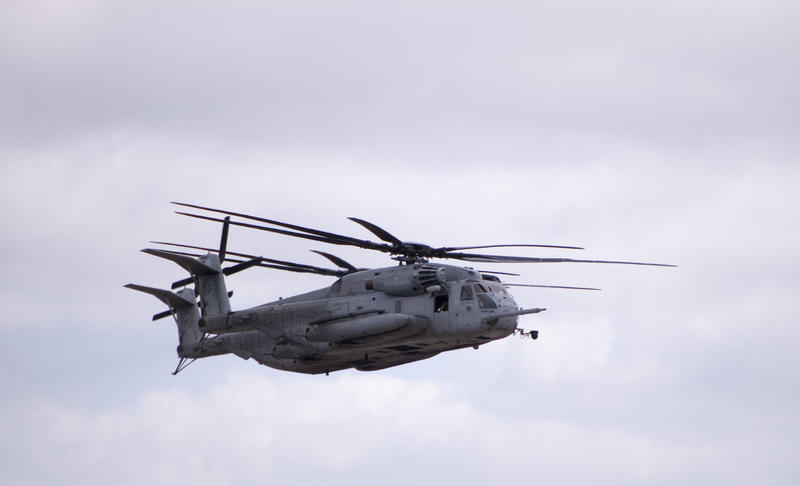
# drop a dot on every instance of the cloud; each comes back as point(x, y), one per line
point(384, 75)
point(337, 429)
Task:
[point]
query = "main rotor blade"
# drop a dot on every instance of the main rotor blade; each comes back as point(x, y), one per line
point(549, 286)
point(378, 231)
point(311, 231)
point(335, 241)
point(397, 247)
point(517, 259)
point(453, 248)
point(316, 270)
point(337, 261)
point(277, 264)
point(194, 247)
point(499, 273)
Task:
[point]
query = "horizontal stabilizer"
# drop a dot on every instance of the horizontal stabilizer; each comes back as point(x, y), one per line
point(520, 312)
point(190, 264)
point(172, 299)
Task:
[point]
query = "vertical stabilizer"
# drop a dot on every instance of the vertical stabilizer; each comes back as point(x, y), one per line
point(208, 277)
point(184, 309)
point(187, 318)
point(211, 288)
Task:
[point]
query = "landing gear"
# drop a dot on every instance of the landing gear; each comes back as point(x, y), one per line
point(182, 364)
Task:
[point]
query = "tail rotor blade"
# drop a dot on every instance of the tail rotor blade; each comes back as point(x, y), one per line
point(242, 266)
point(181, 283)
point(223, 244)
point(162, 315)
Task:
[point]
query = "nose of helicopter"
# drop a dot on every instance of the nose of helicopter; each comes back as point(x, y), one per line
point(506, 303)
point(507, 324)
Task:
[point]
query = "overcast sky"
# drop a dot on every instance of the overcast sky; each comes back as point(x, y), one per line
point(647, 131)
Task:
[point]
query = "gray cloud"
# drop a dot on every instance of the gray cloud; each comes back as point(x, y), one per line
point(355, 74)
point(427, 424)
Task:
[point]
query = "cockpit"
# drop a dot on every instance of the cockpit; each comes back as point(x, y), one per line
point(485, 292)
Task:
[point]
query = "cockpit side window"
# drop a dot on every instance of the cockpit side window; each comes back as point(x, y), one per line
point(466, 292)
point(499, 289)
point(479, 288)
point(486, 302)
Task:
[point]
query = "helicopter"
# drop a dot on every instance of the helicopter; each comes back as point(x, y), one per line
point(368, 319)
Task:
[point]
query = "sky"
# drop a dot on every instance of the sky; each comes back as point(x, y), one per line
point(644, 131)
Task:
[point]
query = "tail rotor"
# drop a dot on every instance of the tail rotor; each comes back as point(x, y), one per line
point(208, 277)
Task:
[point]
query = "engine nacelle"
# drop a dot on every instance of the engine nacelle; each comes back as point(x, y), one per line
point(410, 280)
point(369, 328)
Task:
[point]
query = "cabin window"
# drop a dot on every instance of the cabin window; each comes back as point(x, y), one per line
point(368, 284)
point(466, 292)
point(440, 303)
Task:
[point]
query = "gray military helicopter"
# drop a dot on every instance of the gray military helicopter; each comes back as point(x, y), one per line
point(369, 319)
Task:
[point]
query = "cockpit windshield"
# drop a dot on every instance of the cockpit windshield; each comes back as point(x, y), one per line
point(483, 291)
point(486, 288)
point(499, 289)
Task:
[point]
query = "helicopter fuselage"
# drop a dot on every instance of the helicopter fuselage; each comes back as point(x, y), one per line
point(367, 320)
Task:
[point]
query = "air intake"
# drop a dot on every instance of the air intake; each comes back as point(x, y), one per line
point(429, 275)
